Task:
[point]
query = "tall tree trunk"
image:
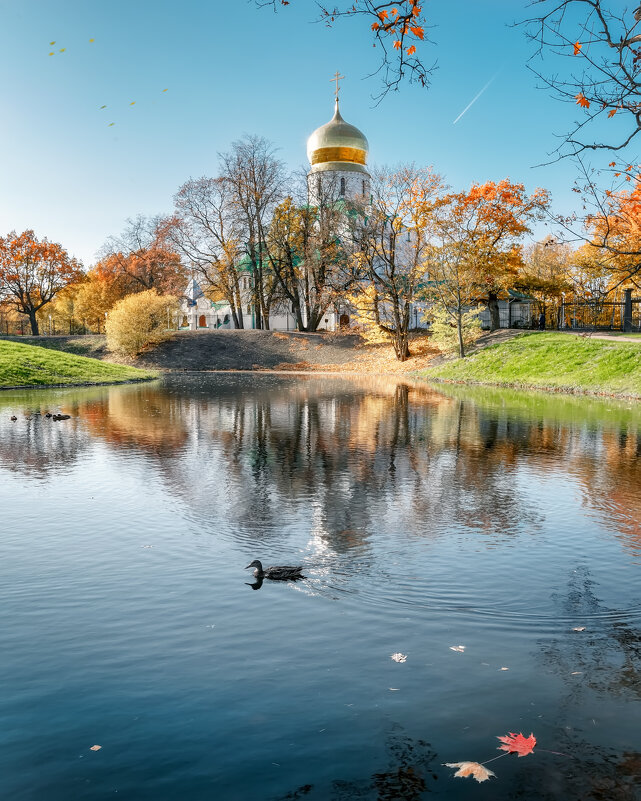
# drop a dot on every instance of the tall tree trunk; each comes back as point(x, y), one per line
point(459, 328)
point(33, 322)
point(493, 307)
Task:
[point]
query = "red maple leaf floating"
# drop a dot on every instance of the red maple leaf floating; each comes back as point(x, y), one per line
point(517, 744)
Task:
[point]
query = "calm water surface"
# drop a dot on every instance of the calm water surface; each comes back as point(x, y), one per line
point(499, 522)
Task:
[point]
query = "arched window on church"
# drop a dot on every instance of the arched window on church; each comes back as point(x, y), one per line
point(342, 187)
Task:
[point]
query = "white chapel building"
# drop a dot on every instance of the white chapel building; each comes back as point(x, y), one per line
point(337, 152)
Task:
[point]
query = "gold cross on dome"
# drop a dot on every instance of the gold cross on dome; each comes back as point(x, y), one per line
point(337, 78)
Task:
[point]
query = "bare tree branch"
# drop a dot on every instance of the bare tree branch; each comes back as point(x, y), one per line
point(398, 29)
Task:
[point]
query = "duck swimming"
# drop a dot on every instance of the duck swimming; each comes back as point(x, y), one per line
point(282, 573)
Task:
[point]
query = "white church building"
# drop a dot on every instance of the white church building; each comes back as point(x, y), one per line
point(337, 153)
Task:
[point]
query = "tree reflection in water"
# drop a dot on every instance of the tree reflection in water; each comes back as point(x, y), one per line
point(407, 776)
point(361, 468)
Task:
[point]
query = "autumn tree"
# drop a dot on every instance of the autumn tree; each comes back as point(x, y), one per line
point(206, 231)
point(142, 258)
point(140, 321)
point(395, 241)
point(547, 274)
point(254, 183)
point(61, 315)
point(602, 44)
point(397, 28)
point(487, 223)
point(310, 246)
point(33, 271)
point(102, 288)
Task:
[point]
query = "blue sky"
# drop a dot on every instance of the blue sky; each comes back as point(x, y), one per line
point(67, 173)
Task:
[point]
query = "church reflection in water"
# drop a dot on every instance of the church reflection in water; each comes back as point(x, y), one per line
point(252, 448)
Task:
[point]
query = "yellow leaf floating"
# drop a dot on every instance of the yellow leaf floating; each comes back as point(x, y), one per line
point(62, 50)
point(92, 40)
point(164, 90)
point(95, 748)
point(133, 104)
point(52, 43)
point(110, 124)
point(103, 107)
point(473, 769)
point(52, 54)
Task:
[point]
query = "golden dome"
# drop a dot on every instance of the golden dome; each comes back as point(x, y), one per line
point(337, 145)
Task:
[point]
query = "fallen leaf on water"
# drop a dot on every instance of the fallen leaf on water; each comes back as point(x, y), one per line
point(394, 689)
point(576, 673)
point(579, 628)
point(399, 657)
point(504, 668)
point(460, 649)
point(474, 769)
point(95, 748)
point(517, 744)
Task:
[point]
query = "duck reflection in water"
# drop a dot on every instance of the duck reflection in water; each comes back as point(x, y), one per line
point(277, 573)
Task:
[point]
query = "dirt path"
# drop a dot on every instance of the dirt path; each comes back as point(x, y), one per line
point(255, 350)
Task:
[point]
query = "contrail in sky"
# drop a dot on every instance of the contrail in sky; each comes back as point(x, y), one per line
point(473, 101)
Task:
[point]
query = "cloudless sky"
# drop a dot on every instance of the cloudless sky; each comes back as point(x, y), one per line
point(230, 68)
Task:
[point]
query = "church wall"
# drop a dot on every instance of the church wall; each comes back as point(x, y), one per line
point(331, 185)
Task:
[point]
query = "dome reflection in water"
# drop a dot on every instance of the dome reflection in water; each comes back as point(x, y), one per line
point(507, 523)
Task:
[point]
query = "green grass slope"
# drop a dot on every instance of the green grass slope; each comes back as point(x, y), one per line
point(29, 365)
point(551, 361)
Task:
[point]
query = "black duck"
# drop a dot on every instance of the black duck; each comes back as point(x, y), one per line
point(278, 573)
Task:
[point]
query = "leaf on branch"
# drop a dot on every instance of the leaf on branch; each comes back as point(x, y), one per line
point(577, 48)
point(612, 112)
point(411, 50)
point(418, 32)
point(517, 744)
point(397, 44)
point(582, 100)
point(473, 769)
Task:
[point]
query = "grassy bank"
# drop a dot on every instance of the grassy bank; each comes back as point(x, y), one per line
point(551, 361)
point(30, 366)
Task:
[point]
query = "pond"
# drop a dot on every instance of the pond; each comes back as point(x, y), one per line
point(490, 541)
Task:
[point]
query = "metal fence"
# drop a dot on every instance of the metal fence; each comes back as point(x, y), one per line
point(599, 316)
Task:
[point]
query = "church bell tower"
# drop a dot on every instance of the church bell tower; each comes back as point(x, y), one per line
point(337, 152)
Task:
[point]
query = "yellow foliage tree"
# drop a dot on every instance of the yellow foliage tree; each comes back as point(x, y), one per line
point(140, 321)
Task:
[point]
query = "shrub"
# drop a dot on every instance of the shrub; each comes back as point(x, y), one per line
point(138, 321)
point(444, 328)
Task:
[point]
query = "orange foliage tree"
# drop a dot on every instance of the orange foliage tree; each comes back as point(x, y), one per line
point(143, 259)
point(33, 271)
point(398, 29)
point(614, 235)
point(486, 223)
point(103, 288)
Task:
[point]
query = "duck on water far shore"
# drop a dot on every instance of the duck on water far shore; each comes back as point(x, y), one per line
point(282, 573)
